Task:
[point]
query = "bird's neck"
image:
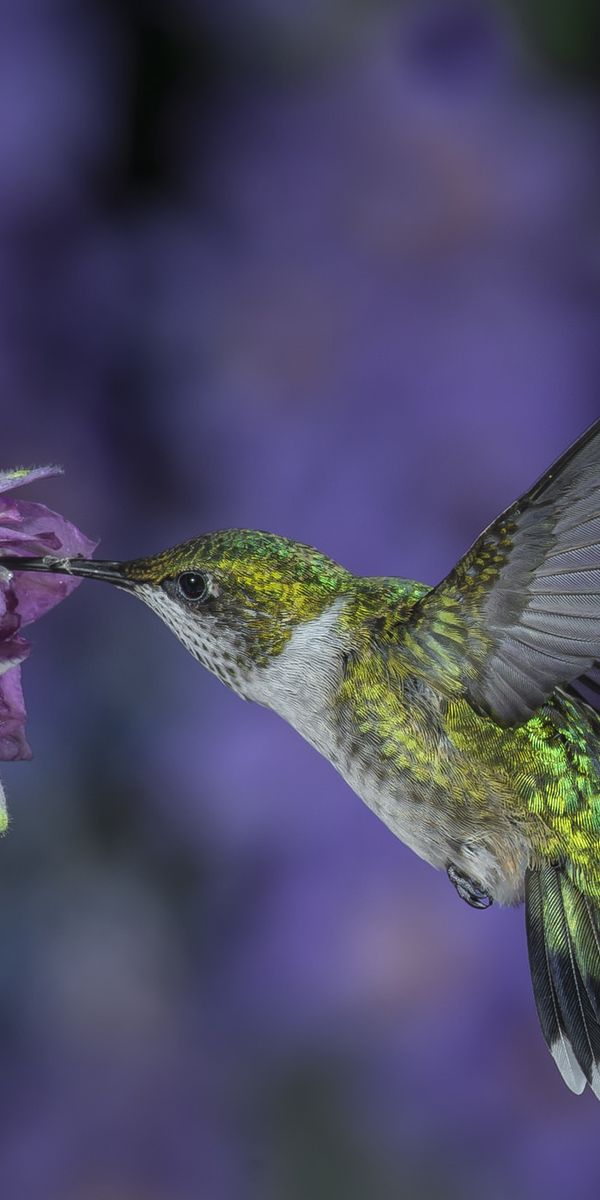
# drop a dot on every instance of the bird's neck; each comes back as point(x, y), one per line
point(300, 683)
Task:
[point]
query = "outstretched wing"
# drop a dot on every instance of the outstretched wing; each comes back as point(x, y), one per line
point(519, 615)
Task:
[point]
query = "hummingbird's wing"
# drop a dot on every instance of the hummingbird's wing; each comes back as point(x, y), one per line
point(519, 615)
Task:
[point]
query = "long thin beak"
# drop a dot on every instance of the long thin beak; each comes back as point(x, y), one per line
point(109, 572)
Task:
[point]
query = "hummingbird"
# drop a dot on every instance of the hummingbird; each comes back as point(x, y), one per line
point(463, 714)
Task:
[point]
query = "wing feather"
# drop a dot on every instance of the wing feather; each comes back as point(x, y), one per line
point(519, 615)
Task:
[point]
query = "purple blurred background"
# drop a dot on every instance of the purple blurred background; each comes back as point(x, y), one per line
point(330, 269)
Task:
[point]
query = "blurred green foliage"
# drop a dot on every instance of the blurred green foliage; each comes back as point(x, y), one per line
point(565, 32)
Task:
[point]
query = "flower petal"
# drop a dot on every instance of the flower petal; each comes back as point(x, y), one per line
point(27, 528)
point(13, 652)
point(13, 743)
point(40, 531)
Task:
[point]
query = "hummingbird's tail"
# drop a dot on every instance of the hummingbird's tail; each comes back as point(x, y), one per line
point(563, 938)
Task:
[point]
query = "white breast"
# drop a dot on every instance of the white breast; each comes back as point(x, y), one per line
point(300, 682)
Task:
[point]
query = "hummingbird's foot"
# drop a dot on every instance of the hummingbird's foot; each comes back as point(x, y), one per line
point(468, 890)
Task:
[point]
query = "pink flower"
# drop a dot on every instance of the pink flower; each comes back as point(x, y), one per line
point(27, 528)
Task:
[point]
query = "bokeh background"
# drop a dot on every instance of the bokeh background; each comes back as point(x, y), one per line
point(329, 268)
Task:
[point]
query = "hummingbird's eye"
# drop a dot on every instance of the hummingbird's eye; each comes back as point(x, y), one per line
point(193, 585)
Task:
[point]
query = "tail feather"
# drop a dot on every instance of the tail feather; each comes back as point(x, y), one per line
point(546, 999)
point(583, 921)
point(578, 1017)
point(564, 958)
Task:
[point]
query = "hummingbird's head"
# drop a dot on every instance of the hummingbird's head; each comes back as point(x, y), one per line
point(233, 598)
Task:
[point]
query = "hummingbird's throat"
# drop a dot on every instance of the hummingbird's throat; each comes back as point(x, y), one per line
point(290, 669)
point(208, 640)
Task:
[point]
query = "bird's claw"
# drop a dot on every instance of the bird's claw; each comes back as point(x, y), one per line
point(468, 890)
